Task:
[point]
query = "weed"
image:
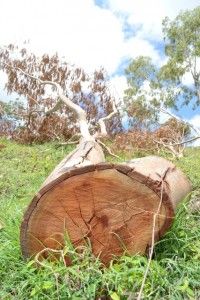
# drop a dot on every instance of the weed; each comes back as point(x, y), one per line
point(174, 271)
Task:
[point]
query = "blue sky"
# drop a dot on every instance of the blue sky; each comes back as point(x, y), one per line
point(93, 33)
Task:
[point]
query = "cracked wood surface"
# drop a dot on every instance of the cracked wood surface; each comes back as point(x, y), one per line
point(111, 204)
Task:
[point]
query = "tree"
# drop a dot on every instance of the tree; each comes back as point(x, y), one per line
point(44, 116)
point(139, 111)
point(152, 89)
point(114, 206)
point(147, 92)
point(182, 46)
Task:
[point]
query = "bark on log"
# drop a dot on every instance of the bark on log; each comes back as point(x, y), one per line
point(111, 204)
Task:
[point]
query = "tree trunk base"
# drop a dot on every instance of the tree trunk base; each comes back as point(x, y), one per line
point(111, 205)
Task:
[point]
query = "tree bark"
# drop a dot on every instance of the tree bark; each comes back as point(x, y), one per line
point(112, 205)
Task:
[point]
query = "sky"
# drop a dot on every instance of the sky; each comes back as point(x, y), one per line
point(93, 33)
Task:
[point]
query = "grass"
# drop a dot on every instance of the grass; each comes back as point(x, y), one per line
point(175, 269)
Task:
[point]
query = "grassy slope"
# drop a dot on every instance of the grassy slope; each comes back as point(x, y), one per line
point(175, 270)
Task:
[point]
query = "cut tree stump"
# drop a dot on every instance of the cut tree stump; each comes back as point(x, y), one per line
point(112, 205)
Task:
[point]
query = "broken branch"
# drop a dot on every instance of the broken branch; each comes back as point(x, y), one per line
point(103, 131)
point(107, 149)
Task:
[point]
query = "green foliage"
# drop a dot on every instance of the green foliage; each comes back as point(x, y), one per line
point(138, 71)
point(174, 272)
point(151, 86)
point(182, 46)
point(140, 112)
point(147, 91)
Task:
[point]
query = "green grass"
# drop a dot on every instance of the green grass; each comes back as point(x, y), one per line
point(175, 269)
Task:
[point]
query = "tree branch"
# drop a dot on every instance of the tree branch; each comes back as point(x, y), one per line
point(107, 149)
point(49, 111)
point(68, 143)
point(81, 114)
point(54, 108)
point(178, 144)
point(103, 131)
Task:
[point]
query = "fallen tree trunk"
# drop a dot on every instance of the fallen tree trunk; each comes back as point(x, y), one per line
point(112, 205)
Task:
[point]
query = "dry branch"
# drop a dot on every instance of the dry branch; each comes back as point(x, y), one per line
point(180, 143)
point(177, 153)
point(103, 131)
point(108, 149)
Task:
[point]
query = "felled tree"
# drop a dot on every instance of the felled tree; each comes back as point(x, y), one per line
point(171, 136)
point(44, 116)
point(118, 207)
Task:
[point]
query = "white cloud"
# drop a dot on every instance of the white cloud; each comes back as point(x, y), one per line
point(136, 46)
point(195, 121)
point(84, 33)
point(81, 31)
point(117, 85)
point(187, 79)
point(148, 15)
